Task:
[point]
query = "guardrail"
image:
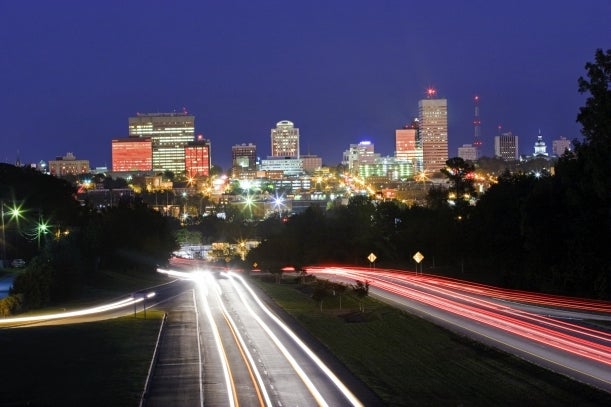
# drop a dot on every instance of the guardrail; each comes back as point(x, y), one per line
point(153, 363)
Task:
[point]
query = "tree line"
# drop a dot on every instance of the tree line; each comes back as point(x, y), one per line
point(79, 241)
point(547, 233)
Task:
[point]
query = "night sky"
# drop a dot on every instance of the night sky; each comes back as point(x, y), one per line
point(72, 72)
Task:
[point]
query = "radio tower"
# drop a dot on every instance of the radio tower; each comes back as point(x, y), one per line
point(477, 141)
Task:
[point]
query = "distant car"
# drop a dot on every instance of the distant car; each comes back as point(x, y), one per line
point(18, 263)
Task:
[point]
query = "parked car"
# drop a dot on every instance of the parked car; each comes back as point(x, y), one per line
point(18, 263)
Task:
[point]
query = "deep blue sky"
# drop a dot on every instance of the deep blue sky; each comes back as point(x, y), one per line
point(72, 72)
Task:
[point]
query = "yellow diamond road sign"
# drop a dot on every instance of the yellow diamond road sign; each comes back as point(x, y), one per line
point(372, 257)
point(418, 257)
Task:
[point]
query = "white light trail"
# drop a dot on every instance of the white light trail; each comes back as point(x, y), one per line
point(321, 365)
point(78, 313)
point(198, 278)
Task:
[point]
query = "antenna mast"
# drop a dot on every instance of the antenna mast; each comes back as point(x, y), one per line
point(477, 141)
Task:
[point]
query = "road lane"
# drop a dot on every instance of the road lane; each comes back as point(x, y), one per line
point(577, 351)
point(177, 374)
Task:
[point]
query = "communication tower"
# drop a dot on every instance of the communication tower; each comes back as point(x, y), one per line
point(477, 140)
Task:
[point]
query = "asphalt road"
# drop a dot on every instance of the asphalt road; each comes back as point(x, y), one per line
point(223, 336)
point(560, 339)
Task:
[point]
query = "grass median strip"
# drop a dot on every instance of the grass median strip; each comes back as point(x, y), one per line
point(409, 361)
point(93, 364)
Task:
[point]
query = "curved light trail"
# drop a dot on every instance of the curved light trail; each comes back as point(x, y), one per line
point(126, 302)
point(502, 310)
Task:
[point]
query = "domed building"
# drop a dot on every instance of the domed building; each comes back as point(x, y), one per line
point(540, 147)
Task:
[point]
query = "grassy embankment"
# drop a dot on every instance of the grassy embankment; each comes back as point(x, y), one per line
point(408, 361)
point(93, 364)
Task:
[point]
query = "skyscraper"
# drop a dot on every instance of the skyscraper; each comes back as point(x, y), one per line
point(433, 119)
point(243, 160)
point(285, 140)
point(197, 157)
point(170, 133)
point(132, 154)
point(506, 146)
point(408, 146)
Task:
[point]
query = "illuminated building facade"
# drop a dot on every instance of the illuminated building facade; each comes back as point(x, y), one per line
point(68, 164)
point(169, 133)
point(407, 146)
point(468, 152)
point(433, 120)
point(197, 158)
point(388, 167)
point(243, 157)
point(358, 154)
point(285, 140)
point(506, 146)
point(540, 147)
point(132, 154)
point(559, 147)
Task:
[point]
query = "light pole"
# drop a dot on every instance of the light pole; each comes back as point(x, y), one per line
point(3, 236)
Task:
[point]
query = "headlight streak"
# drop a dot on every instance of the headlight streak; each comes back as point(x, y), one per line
point(205, 284)
point(255, 376)
point(78, 313)
point(231, 391)
point(330, 375)
point(304, 378)
point(489, 315)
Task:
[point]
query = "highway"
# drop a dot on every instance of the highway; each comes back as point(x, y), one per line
point(560, 333)
point(249, 356)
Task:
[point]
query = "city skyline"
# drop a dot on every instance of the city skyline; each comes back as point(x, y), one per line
point(74, 73)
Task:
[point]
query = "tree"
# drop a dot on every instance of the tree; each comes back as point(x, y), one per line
point(322, 290)
point(361, 290)
point(595, 118)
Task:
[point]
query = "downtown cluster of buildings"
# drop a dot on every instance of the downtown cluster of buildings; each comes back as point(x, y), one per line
point(158, 143)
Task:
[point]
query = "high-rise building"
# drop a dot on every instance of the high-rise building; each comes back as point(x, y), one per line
point(244, 156)
point(198, 157)
point(285, 140)
point(506, 146)
point(407, 145)
point(357, 154)
point(132, 154)
point(559, 147)
point(468, 152)
point(433, 120)
point(169, 133)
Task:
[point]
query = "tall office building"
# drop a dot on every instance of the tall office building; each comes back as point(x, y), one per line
point(169, 133)
point(506, 146)
point(197, 158)
point(433, 120)
point(359, 154)
point(244, 160)
point(468, 152)
point(132, 154)
point(244, 156)
point(407, 145)
point(285, 140)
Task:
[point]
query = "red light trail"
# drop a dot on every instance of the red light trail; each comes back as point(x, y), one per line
point(517, 313)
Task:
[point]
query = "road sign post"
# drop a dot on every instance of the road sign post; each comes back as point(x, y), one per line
point(372, 258)
point(418, 257)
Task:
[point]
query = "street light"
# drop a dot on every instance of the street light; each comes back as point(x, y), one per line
point(3, 236)
point(42, 228)
point(15, 213)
